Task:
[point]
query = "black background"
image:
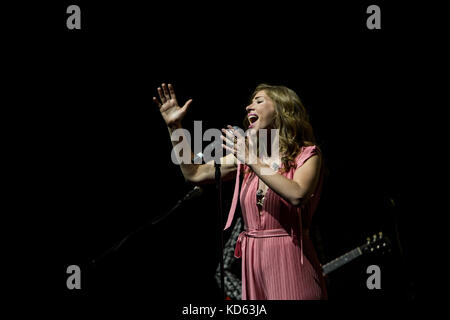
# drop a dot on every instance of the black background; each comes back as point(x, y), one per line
point(97, 154)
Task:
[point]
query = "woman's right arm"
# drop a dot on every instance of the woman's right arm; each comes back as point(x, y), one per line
point(172, 114)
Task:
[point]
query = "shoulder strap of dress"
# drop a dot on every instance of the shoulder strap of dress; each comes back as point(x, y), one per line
point(235, 197)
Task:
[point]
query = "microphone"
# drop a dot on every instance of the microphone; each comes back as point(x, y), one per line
point(197, 191)
point(216, 145)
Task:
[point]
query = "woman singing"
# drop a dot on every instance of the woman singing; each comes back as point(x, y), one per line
point(279, 261)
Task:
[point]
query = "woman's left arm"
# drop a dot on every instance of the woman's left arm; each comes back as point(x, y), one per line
point(294, 191)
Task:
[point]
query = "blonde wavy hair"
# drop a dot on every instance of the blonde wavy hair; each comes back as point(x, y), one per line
point(291, 119)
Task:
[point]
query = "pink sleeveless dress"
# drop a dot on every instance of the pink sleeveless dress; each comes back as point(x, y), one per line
point(279, 261)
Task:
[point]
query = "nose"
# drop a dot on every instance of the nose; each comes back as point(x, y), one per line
point(249, 107)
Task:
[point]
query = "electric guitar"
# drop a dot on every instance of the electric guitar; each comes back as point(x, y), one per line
point(378, 243)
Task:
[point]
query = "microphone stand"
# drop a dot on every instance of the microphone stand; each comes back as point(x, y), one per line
point(152, 222)
point(220, 218)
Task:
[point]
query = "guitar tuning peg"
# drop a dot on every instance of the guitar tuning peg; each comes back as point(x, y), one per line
point(374, 237)
point(380, 234)
point(368, 239)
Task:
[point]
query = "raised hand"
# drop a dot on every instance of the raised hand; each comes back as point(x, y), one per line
point(171, 112)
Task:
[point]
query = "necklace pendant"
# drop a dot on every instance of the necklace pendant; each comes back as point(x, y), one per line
point(260, 198)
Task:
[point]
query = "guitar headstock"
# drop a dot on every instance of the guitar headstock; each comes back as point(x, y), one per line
point(377, 243)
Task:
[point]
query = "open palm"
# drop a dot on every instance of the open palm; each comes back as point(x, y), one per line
point(171, 112)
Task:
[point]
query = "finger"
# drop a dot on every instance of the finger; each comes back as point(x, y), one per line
point(230, 135)
point(229, 149)
point(235, 132)
point(186, 105)
point(250, 142)
point(157, 102)
point(227, 141)
point(166, 91)
point(161, 95)
point(229, 138)
point(172, 91)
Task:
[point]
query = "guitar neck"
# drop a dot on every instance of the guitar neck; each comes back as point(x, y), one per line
point(340, 261)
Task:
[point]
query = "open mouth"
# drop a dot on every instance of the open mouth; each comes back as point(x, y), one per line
point(252, 118)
